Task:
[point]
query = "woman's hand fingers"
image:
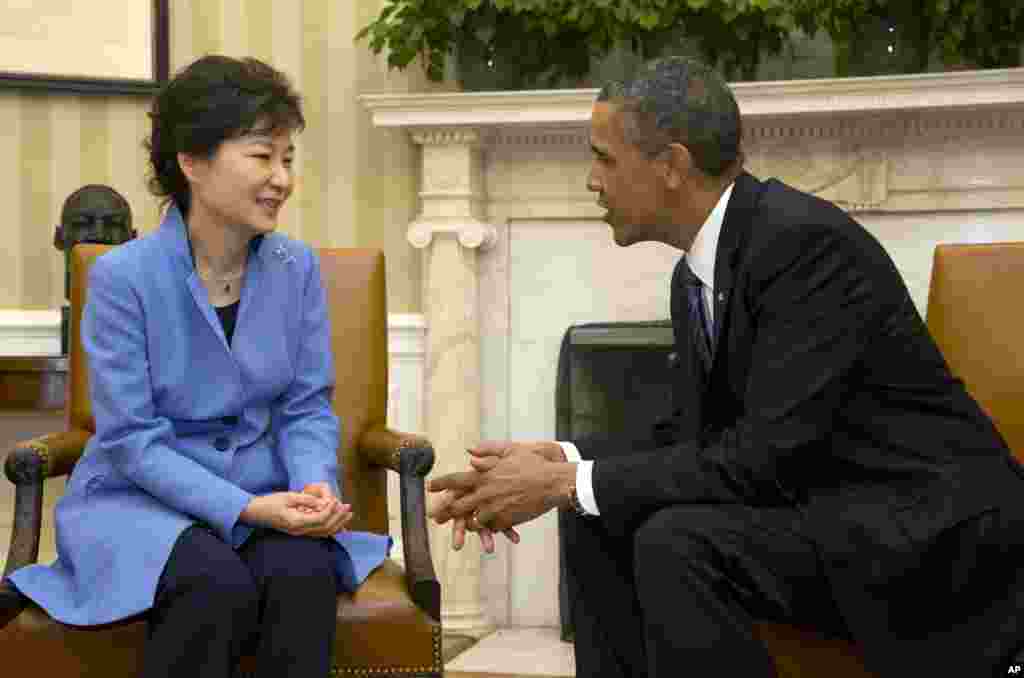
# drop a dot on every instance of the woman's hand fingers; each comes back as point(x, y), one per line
point(338, 519)
point(307, 519)
point(306, 515)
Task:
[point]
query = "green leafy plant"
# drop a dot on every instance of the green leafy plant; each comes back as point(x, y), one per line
point(982, 33)
point(546, 43)
point(542, 35)
point(735, 34)
point(551, 41)
point(978, 33)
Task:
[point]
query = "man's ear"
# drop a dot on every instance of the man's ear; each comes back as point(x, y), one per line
point(678, 164)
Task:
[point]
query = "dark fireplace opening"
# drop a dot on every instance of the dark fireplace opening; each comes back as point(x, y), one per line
point(612, 377)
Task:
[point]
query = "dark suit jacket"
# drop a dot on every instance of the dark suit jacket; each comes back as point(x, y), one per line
point(827, 393)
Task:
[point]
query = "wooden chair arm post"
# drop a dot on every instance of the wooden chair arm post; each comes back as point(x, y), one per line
point(419, 566)
point(411, 457)
point(11, 603)
point(28, 522)
point(28, 466)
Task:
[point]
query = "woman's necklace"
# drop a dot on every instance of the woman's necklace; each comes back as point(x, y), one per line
point(229, 282)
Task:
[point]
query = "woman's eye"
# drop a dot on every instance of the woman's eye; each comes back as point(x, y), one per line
point(288, 162)
point(265, 156)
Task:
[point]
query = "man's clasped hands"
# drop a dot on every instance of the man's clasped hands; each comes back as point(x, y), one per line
point(508, 483)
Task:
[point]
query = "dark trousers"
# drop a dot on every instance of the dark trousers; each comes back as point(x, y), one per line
point(275, 597)
point(681, 596)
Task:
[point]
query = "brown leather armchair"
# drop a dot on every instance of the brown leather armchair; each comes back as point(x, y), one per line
point(390, 626)
point(974, 289)
point(972, 313)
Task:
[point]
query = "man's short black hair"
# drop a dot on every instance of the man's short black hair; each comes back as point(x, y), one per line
point(680, 100)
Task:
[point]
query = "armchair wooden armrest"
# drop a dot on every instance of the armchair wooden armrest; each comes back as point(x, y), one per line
point(400, 452)
point(28, 465)
point(411, 457)
point(44, 457)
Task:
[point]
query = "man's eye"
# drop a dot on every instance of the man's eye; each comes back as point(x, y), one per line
point(288, 162)
point(265, 156)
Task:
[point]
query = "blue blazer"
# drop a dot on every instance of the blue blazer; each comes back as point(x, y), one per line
point(188, 428)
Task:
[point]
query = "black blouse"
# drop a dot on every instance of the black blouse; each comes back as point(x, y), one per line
point(228, 315)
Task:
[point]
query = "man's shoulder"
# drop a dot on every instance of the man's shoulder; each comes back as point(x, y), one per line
point(788, 225)
point(790, 205)
point(784, 213)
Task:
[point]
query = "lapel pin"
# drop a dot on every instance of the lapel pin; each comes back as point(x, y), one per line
point(283, 254)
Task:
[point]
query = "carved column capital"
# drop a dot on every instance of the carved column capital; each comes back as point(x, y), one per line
point(472, 234)
point(452, 189)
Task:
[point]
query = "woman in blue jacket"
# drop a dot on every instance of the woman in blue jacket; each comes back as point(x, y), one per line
point(209, 496)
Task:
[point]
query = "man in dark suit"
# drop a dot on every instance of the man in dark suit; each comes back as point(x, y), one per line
point(822, 467)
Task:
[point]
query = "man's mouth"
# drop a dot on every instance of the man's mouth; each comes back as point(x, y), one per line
point(271, 204)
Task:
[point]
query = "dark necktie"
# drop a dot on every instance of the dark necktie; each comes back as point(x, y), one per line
point(700, 327)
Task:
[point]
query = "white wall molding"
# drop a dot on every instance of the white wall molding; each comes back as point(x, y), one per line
point(406, 332)
point(29, 333)
point(407, 348)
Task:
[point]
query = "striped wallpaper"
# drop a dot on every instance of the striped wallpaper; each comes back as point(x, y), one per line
point(52, 144)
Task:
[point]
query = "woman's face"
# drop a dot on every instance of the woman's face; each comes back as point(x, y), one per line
point(245, 183)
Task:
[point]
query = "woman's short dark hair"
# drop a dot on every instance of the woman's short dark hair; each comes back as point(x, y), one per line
point(213, 99)
point(681, 100)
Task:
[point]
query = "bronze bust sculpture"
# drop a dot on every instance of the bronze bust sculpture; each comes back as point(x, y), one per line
point(93, 214)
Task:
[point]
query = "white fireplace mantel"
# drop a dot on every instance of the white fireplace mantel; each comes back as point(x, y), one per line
point(947, 91)
point(517, 251)
point(891, 143)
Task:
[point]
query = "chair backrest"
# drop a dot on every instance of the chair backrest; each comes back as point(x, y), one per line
point(357, 304)
point(974, 313)
point(79, 405)
point(356, 299)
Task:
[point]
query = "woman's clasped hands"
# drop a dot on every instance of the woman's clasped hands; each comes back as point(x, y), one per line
point(314, 512)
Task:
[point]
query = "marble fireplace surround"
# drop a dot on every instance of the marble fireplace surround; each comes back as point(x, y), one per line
point(515, 251)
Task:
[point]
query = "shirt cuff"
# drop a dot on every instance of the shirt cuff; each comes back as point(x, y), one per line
point(585, 487)
point(584, 472)
point(572, 453)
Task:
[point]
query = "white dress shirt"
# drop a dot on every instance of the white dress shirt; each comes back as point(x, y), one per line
point(701, 259)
